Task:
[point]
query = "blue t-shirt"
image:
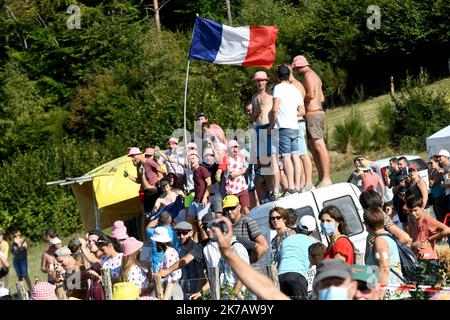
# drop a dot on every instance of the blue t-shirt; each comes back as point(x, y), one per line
point(158, 256)
point(294, 254)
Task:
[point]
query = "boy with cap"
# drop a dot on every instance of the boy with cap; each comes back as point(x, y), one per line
point(333, 281)
point(315, 119)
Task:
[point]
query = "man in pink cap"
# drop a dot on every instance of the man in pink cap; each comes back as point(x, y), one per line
point(148, 173)
point(262, 102)
point(315, 119)
point(234, 167)
point(174, 167)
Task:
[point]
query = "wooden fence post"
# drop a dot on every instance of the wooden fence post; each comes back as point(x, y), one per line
point(214, 285)
point(23, 294)
point(392, 85)
point(60, 291)
point(159, 287)
point(106, 283)
point(272, 273)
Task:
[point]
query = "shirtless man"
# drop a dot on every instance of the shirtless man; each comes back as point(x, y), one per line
point(169, 196)
point(306, 174)
point(48, 259)
point(262, 102)
point(315, 119)
point(211, 129)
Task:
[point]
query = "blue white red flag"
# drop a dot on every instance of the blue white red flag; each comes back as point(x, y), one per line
point(249, 46)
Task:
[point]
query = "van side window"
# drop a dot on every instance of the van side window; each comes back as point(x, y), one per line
point(308, 211)
point(350, 212)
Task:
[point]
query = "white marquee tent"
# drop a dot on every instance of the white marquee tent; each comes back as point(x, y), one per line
point(438, 141)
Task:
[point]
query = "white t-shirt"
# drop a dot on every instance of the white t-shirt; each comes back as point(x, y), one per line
point(290, 100)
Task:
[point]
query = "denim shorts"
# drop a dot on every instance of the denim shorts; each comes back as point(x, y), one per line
point(288, 141)
point(302, 149)
point(263, 140)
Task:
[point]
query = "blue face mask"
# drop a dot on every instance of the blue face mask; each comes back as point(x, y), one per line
point(328, 228)
point(333, 293)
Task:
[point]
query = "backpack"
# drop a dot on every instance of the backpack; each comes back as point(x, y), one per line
point(358, 256)
point(408, 261)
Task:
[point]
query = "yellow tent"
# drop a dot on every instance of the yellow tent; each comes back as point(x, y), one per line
point(104, 195)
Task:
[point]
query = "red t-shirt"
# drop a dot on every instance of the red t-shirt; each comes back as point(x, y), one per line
point(344, 247)
point(370, 181)
point(199, 177)
point(150, 167)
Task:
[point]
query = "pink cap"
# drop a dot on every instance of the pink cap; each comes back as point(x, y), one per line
point(134, 151)
point(299, 61)
point(174, 140)
point(44, 291)
point(233, 143)
point(149, 151)
point(260, 75)
point(131, 245)
point(192, 145)
point(119, 231)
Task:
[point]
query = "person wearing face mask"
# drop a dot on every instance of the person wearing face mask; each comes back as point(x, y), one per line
point(335, 227)
point(333, 281)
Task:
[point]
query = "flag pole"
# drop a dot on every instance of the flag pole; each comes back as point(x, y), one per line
point(186, 87)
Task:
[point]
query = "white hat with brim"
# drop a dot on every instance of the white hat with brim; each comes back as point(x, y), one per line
point(161, 234)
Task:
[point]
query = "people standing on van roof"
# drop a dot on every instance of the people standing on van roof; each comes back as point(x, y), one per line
point(315, 119)
point(267, 183)
point(246, 229)
point(437, 193)
point(384, 253)
point(278, 219)
point(425, 231)
point(287, 103)
point(335, 227)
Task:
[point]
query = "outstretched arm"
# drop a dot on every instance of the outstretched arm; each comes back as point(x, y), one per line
point(255, 281)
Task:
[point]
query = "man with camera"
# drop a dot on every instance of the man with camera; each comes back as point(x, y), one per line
point(245, 228)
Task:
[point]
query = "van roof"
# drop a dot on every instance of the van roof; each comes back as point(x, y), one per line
point(385, 161)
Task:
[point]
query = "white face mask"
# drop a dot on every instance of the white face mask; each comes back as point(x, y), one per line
point(333, 293)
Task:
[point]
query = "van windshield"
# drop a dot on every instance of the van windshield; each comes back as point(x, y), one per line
point(350, 212)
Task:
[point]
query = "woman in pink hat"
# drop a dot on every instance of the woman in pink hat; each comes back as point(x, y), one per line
point(133, 269)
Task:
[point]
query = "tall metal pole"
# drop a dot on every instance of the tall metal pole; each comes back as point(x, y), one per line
point(230, 22)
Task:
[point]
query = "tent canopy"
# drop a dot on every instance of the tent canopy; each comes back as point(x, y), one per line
point(438, 141)
point(104, 195)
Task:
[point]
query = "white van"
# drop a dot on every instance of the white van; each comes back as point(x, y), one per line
point(345, 196)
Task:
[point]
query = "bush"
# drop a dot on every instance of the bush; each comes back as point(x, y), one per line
point(350, 133)
point(418, 113)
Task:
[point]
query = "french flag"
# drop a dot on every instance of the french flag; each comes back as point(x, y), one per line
point(249, 46)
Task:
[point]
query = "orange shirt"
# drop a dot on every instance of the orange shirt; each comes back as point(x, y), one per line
point(422, 230)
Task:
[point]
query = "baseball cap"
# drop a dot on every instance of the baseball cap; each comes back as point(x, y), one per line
point(55, 240)
point(365, 273)
point(307, 223)
point(174, 140)
point(208, 218)
point(163, 183)
point(413, 166)
point(200, 114)
point(444, 153)
point(260, 75)
point(134, 151)
point(64, 251)
point(230, 201)
point(183, 225)
point(192, 145)
point(299, 61)
point(332, 268)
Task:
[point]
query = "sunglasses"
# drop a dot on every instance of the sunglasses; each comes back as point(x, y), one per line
point(276, 218)
point(225, 210)
point(185, 232)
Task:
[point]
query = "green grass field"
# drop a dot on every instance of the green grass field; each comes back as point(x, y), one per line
point(341, 166)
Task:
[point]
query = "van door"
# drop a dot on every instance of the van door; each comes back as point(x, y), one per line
point(346, 197)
